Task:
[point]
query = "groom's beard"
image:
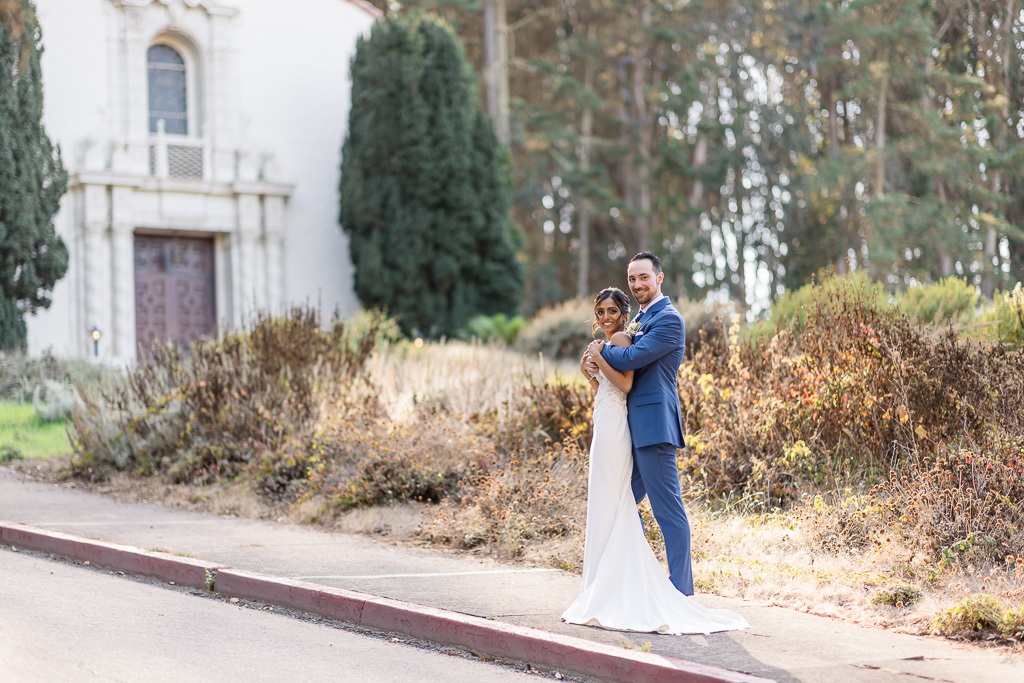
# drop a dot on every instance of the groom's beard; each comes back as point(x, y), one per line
point(643, 297)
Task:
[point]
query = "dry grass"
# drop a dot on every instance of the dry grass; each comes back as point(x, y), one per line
point(456, 377)
point(793, 559)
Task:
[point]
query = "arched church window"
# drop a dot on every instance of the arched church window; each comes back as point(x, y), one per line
point(168, 90)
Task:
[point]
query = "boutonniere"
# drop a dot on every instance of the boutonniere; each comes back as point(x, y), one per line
point(633, 328)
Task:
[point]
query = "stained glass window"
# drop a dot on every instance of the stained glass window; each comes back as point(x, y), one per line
point(168, 90)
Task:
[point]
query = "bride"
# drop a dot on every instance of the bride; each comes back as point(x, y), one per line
point(624, 585)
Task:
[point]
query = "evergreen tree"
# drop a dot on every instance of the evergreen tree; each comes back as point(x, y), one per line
point(32, 179)
point(497, 270)
point(12, 326)
point(424, 184)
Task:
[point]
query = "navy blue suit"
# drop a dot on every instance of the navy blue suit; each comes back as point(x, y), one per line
point(655, 423)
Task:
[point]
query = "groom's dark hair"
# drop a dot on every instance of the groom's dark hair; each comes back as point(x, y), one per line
point(650, 256)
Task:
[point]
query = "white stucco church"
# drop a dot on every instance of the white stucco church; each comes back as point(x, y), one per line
point(202, 140)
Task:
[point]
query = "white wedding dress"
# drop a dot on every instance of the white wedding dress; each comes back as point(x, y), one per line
point(624, 585)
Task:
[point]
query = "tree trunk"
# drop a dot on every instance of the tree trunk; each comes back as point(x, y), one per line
point(832, 106)
point(645, 130)
point(586, 132)
point(946, 263)
point(883, 95)
point(496, 66)
point(990, 268)
point(700, 158)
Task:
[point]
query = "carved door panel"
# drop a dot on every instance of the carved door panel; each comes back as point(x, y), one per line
point(174, 290)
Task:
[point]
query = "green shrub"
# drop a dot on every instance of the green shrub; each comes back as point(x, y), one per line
point(54, 400)
point(945, 302)
point(1004, 321)
point(831, 296)
point(970, 618)
point(562, 331)
point(706, 322)
point(519, 497)
point(9, 454)
point(546, 413)
point(898, 596)
point(21, 374)
point(364, 459)
point(1011, 624)
point(394, 478)
point(495, 328)
point(367, 328)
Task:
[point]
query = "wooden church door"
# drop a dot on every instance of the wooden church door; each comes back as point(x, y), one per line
point(174, 290)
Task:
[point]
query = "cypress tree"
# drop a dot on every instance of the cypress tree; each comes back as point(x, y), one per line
point(12, 326)
point(500, 275)
point(32, 178)
point(425, 184)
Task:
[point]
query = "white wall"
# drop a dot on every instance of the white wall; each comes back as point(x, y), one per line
point(294, 90)
point(76, 98)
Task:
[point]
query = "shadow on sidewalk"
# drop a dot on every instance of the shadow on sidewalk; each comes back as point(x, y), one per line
point(723, 650)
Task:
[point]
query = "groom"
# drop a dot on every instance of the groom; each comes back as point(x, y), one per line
point(655, 421)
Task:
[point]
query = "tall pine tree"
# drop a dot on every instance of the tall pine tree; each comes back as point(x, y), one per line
point(32, 179)
point(425, 184)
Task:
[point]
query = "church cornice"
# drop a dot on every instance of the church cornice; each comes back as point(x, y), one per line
point(177, 6)
point(213, 9)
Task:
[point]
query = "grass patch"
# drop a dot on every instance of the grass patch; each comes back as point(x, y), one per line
point(24, 433)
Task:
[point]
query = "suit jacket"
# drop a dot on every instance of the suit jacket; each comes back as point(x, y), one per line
point(655, 356)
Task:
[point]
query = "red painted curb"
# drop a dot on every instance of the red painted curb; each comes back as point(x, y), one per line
point(485, 637)
point(183, 571)
point(333, 603)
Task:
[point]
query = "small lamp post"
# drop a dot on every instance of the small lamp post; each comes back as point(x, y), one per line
point(95, 341)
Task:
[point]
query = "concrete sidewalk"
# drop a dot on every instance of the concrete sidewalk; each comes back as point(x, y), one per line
point(783, 645)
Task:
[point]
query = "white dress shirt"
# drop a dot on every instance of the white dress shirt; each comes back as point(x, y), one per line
point(643, 309)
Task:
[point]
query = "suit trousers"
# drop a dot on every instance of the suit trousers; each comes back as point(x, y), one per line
point(656, 475)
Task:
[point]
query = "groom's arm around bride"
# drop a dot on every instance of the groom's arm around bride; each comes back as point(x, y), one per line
point(656, 354)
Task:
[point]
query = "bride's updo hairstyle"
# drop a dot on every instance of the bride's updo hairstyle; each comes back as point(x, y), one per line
point(616, 295)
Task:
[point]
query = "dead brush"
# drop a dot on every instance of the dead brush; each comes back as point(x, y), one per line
point(849, 524)
point(507, 506)
point(546, 412)
point(847, 395)
point(967, 499)
point(201, 416)
point(532, 487)
point(386, 463)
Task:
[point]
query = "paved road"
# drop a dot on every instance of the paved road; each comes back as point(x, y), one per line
point(62, 623)
point(783, 644)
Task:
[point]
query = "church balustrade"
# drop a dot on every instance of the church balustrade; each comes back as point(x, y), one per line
point(176, 156)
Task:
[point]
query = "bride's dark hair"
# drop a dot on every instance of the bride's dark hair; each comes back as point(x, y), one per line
point(616, 295)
